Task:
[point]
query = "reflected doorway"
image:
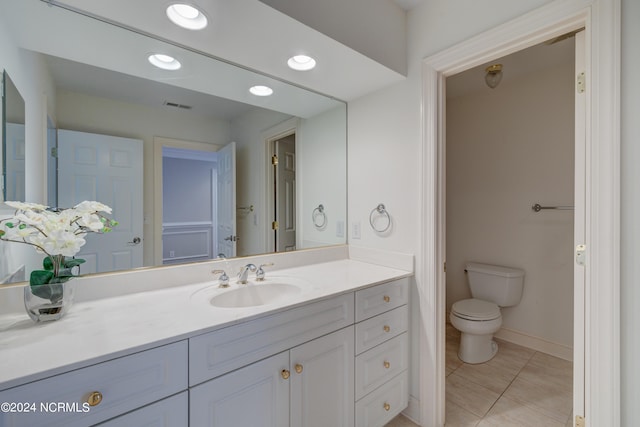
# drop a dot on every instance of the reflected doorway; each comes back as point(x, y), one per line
point(283, 192)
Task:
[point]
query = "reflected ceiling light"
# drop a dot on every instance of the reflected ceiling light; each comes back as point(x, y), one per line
point(186, 16)
point(165, 62)
point(494, 75)
point(261, 90)
point(301, 63)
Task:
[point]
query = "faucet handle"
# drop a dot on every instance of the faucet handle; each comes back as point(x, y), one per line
point(223, 279)
point(260, 272)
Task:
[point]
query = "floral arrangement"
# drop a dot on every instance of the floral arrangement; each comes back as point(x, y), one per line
point(57, 233)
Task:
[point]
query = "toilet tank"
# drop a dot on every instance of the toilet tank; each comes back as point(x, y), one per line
point(501, 285)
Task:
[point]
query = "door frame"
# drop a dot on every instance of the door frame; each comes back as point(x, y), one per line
point(158, 143)
point(269, 136)
point(601, 19)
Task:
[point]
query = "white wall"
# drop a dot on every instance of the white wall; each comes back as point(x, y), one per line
point(384, 128)
point(507, 149)
point(104, 116)
point(322, 166)
point(630, 222)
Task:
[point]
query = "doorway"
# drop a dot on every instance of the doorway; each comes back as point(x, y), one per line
point(508, 147)
point(599, 298)
point(283, 193)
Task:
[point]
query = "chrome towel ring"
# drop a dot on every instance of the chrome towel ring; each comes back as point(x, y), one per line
point(319, 217)
point(381, 211)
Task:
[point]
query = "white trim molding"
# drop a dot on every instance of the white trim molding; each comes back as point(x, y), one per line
point(601, 20)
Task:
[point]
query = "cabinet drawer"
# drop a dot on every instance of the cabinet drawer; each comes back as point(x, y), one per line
point(382, 405)
point(170, 412)
point(379, 329)
point(125, 384)
point(378, 299)
point(218, 352)
point(380, 364)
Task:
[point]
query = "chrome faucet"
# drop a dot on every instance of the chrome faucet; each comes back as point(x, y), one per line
point(244, 273)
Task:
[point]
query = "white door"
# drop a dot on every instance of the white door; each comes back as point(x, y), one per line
point(286, 194)
point(254, 396)
point(579, 230)
point(227, 237)
point(322, 381)
point(14, 162)
point(107, 169)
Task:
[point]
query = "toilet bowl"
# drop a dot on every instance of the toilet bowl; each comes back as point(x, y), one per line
point(477, 321)
point(478, 318)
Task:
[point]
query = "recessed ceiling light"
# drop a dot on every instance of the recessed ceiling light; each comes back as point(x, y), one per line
point(301, 62)
point(165, 62)
point(261, 90)
point(186, 16)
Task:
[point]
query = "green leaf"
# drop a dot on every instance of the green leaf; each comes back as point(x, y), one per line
point(73, 262)
point(40, 277)
point(47, 263)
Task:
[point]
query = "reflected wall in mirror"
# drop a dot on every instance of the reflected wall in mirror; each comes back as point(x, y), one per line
point(13, 141)
point(106, 89)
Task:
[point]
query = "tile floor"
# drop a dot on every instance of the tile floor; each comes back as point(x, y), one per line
point(518, 387)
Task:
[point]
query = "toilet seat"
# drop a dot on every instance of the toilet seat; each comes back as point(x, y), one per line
point(476, 310)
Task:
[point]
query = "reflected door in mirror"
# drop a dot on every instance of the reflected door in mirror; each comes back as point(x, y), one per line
point(107, 169)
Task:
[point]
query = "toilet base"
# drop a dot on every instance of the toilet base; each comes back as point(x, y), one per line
point(477, 348)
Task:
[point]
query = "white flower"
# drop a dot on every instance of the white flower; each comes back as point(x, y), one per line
point(91, 221)
point(91, 207)
point(25, 206)
point(62, 242)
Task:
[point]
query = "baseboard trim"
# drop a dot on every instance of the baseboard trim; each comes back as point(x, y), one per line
point(536, 343)
point(412, 411)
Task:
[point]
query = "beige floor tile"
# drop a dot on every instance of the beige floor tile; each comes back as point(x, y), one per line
point(511, 357)
point(456, 416)
point(468, 395)
point(543, 369)
point(491, 377)
point(554, 400)
point(452, 362)
point(508, 413)
point(401, 421)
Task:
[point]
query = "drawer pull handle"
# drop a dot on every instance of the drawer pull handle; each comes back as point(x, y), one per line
point(387, 365)
point(285, 374)
point(94, 398)
point(386, 328)
point(386, 298)
point(298, 368)
point(387, 406)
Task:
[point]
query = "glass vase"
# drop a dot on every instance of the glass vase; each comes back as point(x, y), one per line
point(48, 302)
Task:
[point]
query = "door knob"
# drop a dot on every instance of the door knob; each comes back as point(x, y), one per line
point(135, 241)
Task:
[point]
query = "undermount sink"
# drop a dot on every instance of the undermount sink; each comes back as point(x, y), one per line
point(255, 294)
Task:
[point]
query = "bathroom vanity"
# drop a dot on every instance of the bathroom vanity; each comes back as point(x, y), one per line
point(335, 353)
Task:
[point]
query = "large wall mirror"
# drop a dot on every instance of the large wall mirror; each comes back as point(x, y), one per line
point(13, 148)
point(193, 164)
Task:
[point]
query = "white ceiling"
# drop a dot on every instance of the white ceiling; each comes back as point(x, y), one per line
point(254, 35)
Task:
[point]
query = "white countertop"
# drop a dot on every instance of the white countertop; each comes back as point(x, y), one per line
point(98, 330)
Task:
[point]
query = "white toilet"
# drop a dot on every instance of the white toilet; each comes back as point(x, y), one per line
point(479, 318)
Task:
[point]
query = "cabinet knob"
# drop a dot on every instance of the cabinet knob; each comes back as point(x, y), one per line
point(387, 365)
point(94, 398)
point(386, 298)
point(386, 328)
point(387, 406)
point(285, 374)
point(298, 368)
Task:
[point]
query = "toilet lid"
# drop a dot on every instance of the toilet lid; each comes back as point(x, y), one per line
point(476, 309)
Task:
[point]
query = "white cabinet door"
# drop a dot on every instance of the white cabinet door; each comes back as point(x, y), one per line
point(322, 381)
point(254, 396)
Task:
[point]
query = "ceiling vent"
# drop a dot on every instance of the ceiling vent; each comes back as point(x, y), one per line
point(176, 105)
